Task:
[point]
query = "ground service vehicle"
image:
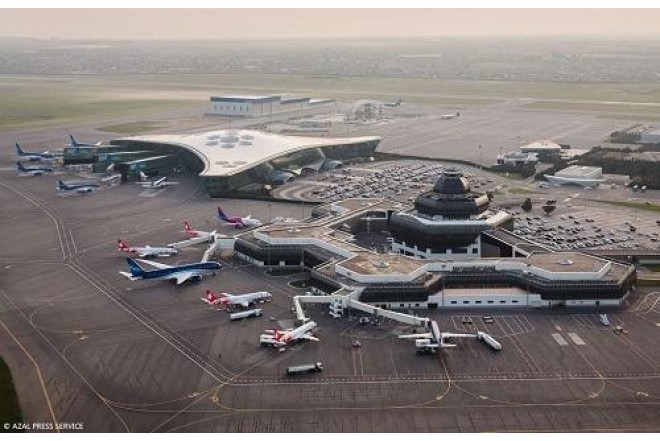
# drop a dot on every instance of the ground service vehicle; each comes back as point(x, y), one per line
point(245, 314)
point(304, 369)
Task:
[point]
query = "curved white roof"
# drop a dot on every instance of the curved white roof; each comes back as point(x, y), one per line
point(228, 152)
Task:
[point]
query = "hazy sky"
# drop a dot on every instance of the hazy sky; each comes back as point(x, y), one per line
point(323, 23)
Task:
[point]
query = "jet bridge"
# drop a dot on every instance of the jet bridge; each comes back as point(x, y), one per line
point(346, 301)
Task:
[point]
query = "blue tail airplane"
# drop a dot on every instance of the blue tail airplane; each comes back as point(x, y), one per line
point(75, 143)
point(32, 171)
point(178, 273)
point(77, 187)
point(33, 156)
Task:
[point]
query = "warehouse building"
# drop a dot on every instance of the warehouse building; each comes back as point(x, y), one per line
point(581, 175)
point(261, 105)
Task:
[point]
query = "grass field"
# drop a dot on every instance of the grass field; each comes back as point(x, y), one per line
point(612, 110)
point(647, 206)
point(518, 190)
point(10, 412)
point(131, 128)
point(32, 101)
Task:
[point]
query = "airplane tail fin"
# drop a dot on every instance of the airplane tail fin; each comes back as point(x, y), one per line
point(20, 167)
point(74, 143)
point(122, 245)
point(221, 214)
point(143, 177)
point(60, 185)
point(136, 270)
point(211, 296)
point(186, 226)
point(19, 150)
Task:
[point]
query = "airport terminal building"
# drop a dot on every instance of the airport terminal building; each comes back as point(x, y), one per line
point(244, 162)
point(535, 277)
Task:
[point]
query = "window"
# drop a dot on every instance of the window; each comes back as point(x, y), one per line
point(502, 301)
point(514, 301)
point(453, 302)
point(466, 302)
point(490, 301)
point(478, 302)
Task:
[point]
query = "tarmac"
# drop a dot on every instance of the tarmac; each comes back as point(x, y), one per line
point(86, 345)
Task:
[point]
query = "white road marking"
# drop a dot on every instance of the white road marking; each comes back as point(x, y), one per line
point(559, 339)
point(576, 339)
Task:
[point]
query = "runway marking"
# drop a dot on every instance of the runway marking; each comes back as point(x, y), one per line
point(576, 339)
point(559, 339)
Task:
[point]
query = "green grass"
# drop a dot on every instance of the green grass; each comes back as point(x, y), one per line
point(10, 412)
point(647, 206)
point(652, 267)
point(624, 110)
point(518, 190)
point(47, 100)
point(131, 128)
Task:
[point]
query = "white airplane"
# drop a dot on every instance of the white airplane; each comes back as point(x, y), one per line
point(187, 229)
point(431, 341)
point(33, 156)
point(178, 273)
point(450, 115)
point(285, 220)
point(243, 300)
point(237, 221)
point(75, 143)
point(279, 338)
point(155, 183)
point(77, 187)
point(396, 103)
point(32, 171)
point(146, 251)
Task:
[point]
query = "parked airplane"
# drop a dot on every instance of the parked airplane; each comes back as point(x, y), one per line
point(285, 220)
point(243, 300)
point(32, 171)
point(397, 103)
point(279, 338)
point(431, 341)
point(239, 222)
point(77, 187)
point(450, 115)
point(75, 143)
point(33, 156)
point(147, 251)
point(178, 273)
point(155, 183)
point(196, 233)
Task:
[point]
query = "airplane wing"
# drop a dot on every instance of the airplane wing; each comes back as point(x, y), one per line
point(309, 336)
point(451, 334)
point(155, 264)
point(243, 303)
point(181, 277)
point(189, 242)
point(428, 335)
point(127, 275)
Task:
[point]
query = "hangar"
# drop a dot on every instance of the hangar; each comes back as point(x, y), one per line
point(232, 162)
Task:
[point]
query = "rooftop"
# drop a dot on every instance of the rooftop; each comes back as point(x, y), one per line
point(228, 152)
point(541, 145)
